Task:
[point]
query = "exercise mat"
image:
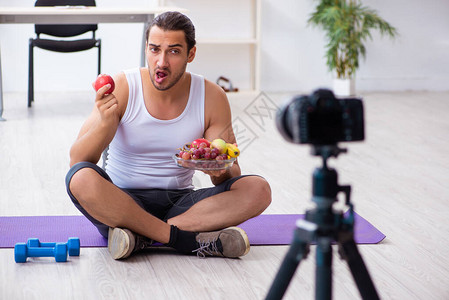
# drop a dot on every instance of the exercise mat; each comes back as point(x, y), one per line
point(275, 229)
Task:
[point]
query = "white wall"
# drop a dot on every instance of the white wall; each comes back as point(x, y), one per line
point(292, 52)
point(419, 58)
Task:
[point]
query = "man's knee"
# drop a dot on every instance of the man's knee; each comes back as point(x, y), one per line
point(82, 182)
point(258, 191)
point(262, 190)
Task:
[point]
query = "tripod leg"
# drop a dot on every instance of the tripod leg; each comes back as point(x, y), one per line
point(323, 287)
point(297, 251)
point(350, 253)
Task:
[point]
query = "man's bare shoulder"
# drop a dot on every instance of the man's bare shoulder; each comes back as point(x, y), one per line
point(217, 110)
point(214, 93)
point(121, 83)
point(121, 91)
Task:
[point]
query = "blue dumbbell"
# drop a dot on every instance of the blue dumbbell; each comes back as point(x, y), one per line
point(22, 252)
point(73, 245)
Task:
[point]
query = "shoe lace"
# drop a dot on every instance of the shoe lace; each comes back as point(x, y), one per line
point(206, 248)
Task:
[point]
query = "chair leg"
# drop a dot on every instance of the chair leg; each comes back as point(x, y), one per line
point(99, 57)
point(30, 73)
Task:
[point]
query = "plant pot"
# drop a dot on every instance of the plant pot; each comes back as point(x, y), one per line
point(344, 87)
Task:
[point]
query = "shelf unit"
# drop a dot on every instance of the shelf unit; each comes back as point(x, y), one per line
point(253, 41)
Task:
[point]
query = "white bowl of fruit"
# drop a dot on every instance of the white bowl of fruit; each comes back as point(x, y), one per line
point(208, 156)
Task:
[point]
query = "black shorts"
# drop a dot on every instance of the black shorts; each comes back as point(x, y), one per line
point(161, 203)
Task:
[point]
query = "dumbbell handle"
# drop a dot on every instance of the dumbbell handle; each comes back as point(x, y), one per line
point(73, 245)
point(41, 252)
point(48, 245)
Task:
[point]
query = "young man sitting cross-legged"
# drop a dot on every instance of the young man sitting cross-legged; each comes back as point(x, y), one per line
point(142, 196)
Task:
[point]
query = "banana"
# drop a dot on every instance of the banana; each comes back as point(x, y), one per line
point(232, 150)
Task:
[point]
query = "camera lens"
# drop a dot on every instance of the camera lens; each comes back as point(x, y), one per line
point(287, 118)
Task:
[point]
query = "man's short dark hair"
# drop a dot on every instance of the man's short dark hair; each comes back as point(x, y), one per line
point(173, 20)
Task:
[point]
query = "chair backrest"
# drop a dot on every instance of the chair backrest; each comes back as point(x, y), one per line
point(65, 30)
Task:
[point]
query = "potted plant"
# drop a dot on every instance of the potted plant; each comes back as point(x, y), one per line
point(347, 24)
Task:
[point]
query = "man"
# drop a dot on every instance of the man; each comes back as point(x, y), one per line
point(143, 196)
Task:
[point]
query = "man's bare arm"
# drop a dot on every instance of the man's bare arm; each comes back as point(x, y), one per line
point(100, 127)
point(218, 125)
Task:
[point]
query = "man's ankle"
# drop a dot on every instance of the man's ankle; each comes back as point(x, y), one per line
point(183, 241)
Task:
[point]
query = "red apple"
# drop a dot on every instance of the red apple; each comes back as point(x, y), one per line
point(196, 143)
point(102, 80)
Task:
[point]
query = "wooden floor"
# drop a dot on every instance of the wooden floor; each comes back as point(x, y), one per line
point(399, 176)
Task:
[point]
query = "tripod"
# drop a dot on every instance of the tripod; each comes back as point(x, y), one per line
point(324, 225)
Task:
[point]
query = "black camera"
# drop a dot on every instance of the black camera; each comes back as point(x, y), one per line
point(321, 119)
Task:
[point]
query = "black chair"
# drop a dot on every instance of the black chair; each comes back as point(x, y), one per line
point(63, 45)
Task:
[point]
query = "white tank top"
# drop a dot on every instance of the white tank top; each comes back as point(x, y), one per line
point(140, 155)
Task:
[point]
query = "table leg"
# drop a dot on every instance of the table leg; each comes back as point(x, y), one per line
point(143, 60)
point(143, 47)
point(1, 90)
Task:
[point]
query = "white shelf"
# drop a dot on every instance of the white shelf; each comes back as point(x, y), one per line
point(251, 41)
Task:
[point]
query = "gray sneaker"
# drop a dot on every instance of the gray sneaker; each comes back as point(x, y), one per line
point(230, 242)
point(122, 242)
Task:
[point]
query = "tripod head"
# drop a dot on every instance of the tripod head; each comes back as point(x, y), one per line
point(325, 189)
point(325, 180)
point(327, 151)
